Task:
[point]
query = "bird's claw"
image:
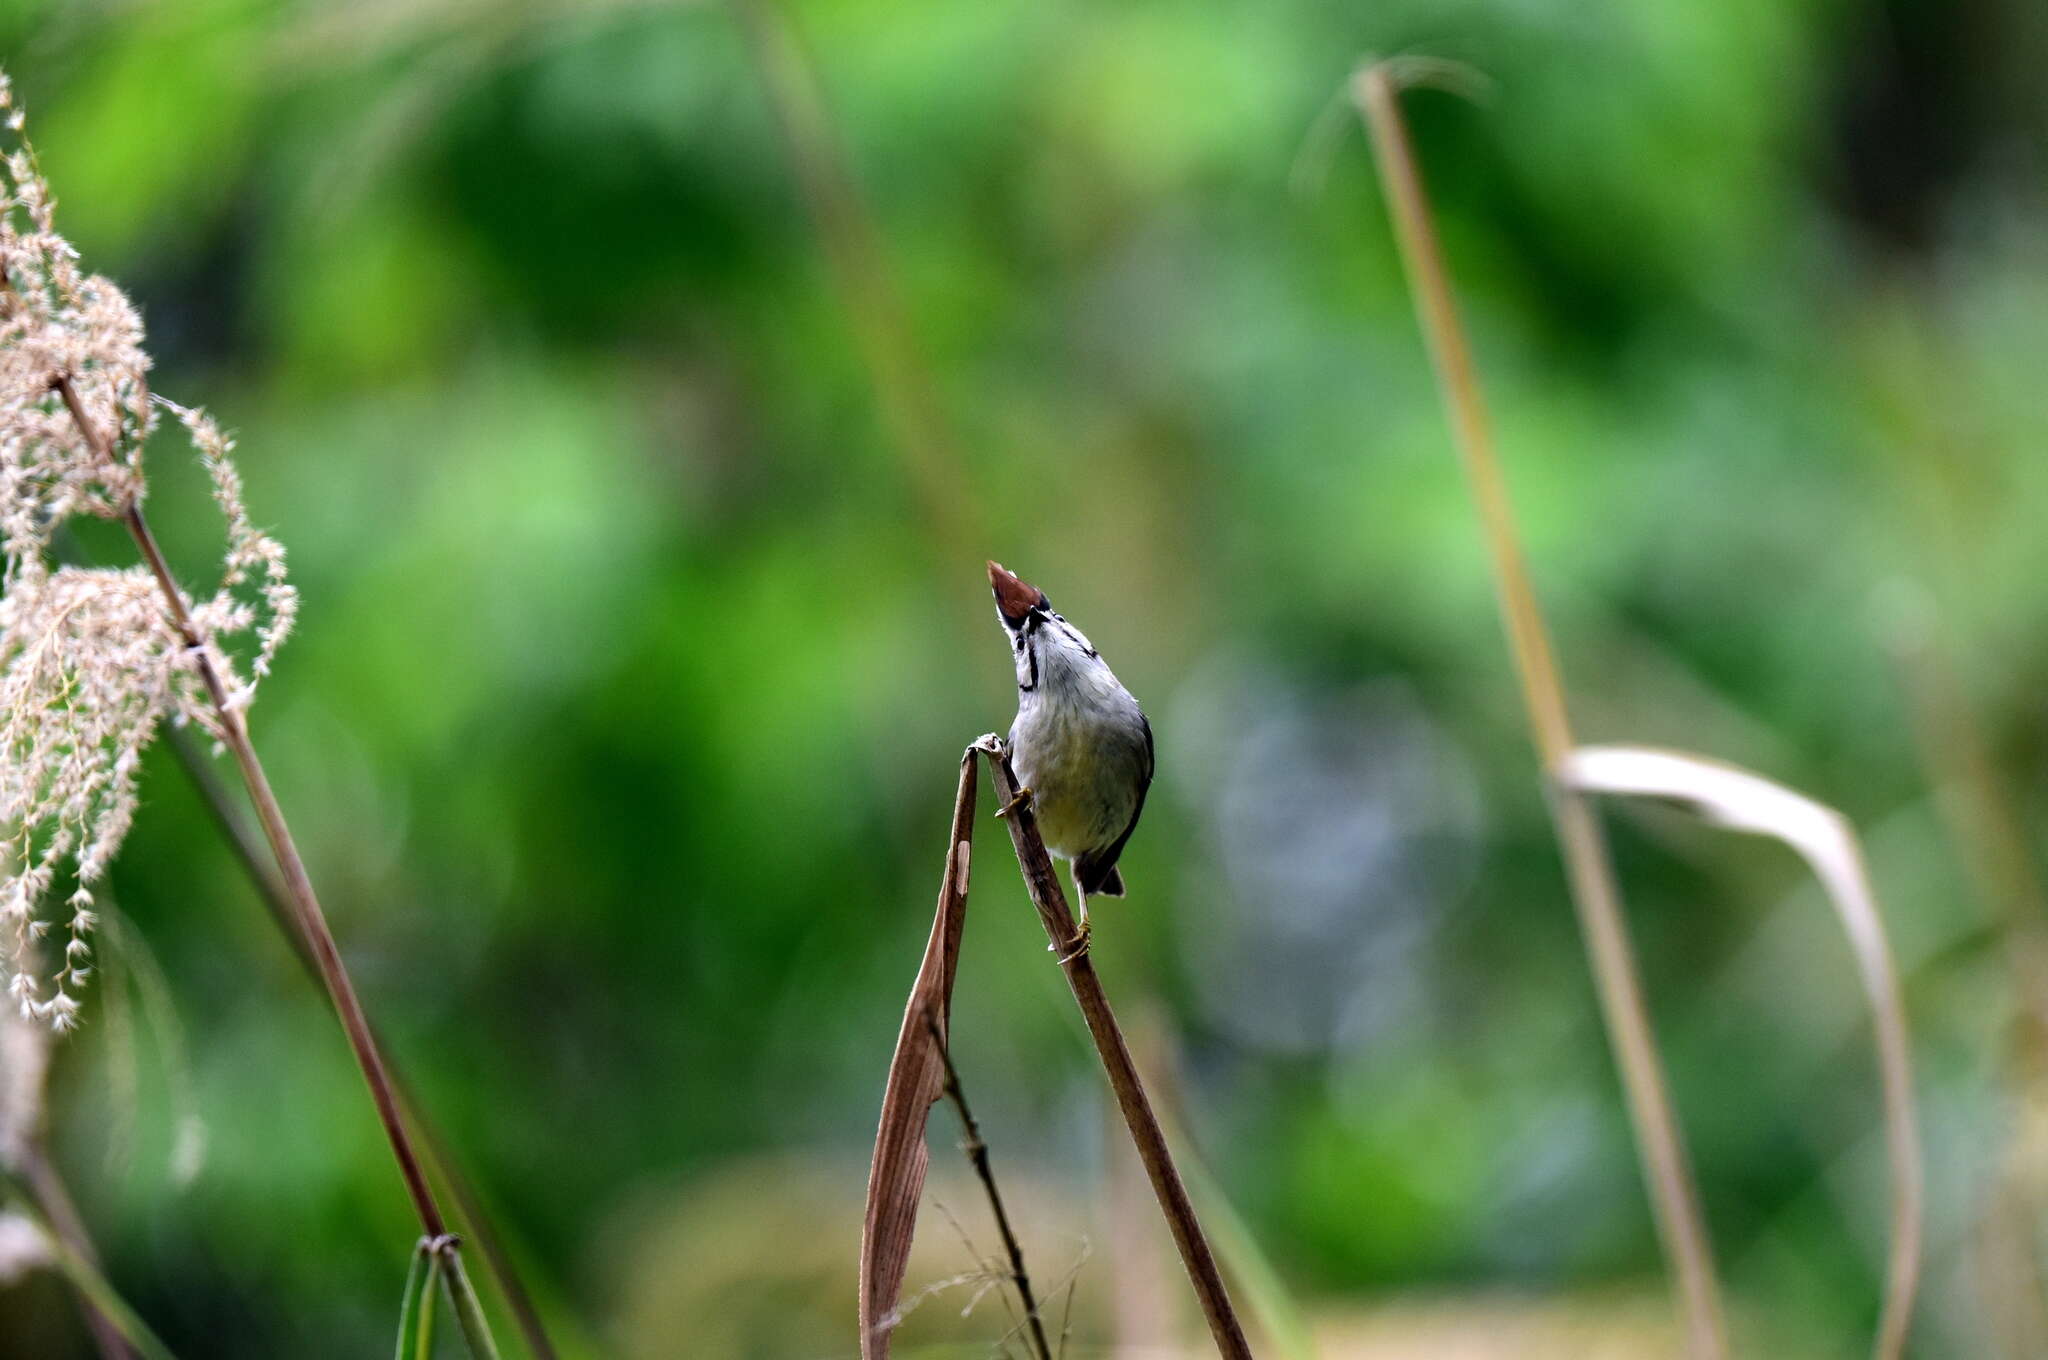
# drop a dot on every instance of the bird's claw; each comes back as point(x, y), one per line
point(1023, 799)
point(1078, 946)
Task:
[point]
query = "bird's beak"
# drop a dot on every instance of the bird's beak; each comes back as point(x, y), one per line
point(1015, 597)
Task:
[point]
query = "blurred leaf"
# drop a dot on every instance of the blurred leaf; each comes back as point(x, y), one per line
point(1742, 801)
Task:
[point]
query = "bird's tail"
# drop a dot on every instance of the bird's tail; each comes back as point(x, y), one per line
point(1100, 880)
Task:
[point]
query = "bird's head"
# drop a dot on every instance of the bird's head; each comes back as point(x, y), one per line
point(1035, 630)
point(1017, 600)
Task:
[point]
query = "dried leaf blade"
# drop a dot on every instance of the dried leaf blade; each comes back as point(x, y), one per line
point(916, 1079)
point(1740, 800)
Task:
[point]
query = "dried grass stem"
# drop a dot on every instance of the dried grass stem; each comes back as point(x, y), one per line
point(298, 888)
point(1043, 885)
point(977, 1154)
point(1595, 893)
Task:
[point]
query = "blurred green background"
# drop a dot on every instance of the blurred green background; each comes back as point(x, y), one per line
point(639, 644)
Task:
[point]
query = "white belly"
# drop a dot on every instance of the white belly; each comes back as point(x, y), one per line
point(1085, 769)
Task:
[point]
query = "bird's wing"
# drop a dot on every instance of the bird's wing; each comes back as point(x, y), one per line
point(1094, 870)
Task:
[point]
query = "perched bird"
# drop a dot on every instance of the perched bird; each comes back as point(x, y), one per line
point(1080, 745)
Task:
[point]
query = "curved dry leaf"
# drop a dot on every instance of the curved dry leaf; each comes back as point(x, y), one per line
point(1741, 801)
point(916, 1079)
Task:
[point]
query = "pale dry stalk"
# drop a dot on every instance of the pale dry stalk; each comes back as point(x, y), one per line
point(1581, 839)
point(53, 1198)
point(912, 412)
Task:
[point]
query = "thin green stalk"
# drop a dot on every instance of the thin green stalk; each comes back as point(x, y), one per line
point(1251, 1270)
point(1982, 818)
point(1595, 892)
point(469, 1310)
point(416, 1309)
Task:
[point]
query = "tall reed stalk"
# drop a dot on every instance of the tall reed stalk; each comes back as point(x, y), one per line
point(253, 857)
point(94, 661)
point(1581, 839)
point(233, 729)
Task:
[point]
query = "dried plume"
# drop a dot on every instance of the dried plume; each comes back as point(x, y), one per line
point(90, 661)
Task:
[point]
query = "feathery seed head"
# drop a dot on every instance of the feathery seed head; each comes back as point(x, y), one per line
point(91, 660)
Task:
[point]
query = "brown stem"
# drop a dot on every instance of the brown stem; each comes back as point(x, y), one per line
point(54, 1200)
point(298, 886)
point(1596, 896)
point(977, 1153)
point(251, 855)
point(1051, 901)
point(249, 852)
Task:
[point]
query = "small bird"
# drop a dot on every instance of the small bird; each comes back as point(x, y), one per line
point(1080, 745)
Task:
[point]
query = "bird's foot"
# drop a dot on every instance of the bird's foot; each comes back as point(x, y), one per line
point(1023, 799)
point(1078, 946)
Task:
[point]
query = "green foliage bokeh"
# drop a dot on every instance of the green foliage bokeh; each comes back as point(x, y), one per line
point(632, 669)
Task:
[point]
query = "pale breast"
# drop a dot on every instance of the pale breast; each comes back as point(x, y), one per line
point(1084, 767)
